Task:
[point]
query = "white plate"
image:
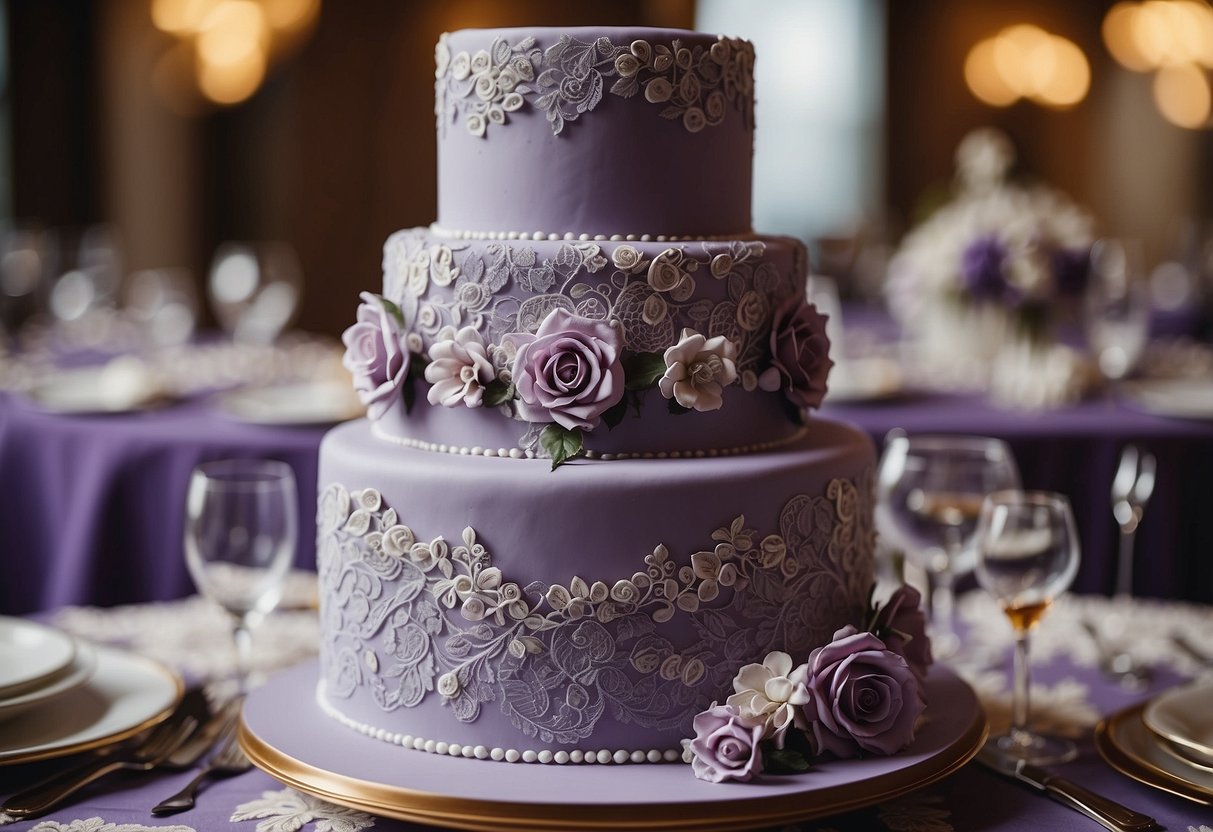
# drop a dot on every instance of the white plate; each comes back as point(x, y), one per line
point(31, 655)
point(864, 380)
point(317, 403)
point(119, 386)
point(1184, 398)
point(76, 674)
point(1184, 717)
point(126, 694)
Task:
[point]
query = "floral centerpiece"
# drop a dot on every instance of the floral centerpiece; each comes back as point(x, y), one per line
point(993, 265)
point(860, 694)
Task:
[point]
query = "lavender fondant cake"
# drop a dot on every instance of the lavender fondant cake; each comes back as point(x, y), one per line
point(589, 489)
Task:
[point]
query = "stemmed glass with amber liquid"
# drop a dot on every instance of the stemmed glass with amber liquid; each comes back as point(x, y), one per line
point(1027, 555)
point(929, 495)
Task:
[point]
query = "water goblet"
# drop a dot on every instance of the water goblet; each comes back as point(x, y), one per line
point(241, 529)
point(928, 497)
point(1117, 307)
point(1027, 555)
point(254, 289)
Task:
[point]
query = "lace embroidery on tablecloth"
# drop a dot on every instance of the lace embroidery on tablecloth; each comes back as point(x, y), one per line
point(406, 618)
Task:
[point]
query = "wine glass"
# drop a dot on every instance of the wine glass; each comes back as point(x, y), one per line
point(929, 494)
point(1117, 307)
point(254, 289)
point(240, 534)
point(165, 304)
point(1027, 554)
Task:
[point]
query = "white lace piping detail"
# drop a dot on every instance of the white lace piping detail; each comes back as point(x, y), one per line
point(509, 755)
point(572, 236)
point(520, 453)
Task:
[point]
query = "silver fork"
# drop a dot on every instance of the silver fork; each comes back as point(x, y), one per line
point(154, 750)
point(228, 761)
point(1131, 490)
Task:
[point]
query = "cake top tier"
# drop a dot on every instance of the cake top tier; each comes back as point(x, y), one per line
point(597, 131)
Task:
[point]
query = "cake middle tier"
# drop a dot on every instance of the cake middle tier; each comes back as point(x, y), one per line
point(653, 290)
point(474, 602)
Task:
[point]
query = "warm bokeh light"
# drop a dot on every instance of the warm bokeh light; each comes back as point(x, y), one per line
point(1118, 29)
point(1025, 61)
point(232, 43)
point(1183, 96)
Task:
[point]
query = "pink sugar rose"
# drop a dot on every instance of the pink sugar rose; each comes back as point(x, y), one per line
point(726, 745)
point(800, 354)
point(569, 371)
point(902, 626)
point(375, 356)
point(864, 696)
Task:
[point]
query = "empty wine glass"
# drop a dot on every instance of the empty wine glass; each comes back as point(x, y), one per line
point(254, 289)
point(165, 303)
point(1027, 555)
point(1117, 307)
point(240, 534)
point(929, 494)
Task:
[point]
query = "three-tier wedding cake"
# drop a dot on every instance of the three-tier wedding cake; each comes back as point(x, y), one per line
point(588, 490)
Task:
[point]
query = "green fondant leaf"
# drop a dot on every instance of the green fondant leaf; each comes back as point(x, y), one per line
point(784, 761)
point(612, 416)
point(642, 370)
point(498, 392)
point(676, 409)
point(409, 394)
point(561, 444)
point(392, 309)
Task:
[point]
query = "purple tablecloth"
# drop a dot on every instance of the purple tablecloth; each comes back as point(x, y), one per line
point(1069, 694)
point(92, 507)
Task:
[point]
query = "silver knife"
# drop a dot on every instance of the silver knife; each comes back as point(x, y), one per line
point(1108, 813)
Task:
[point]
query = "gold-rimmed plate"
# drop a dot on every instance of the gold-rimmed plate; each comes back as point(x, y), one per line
point(125, 695)
point(1126, 744)
point(340, 765)
point(1184, 717)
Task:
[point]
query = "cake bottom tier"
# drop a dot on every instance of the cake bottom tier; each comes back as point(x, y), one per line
point(495, 608)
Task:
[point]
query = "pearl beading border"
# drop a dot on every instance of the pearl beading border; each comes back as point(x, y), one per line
point(510, 755)
point(526, 453)
point(465, 234)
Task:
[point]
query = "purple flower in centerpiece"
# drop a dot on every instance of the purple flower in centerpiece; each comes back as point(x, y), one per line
point(1071, 269)
point(375, 356)
point(569, 371)
point(726, 745)
point(982, 265)
point(800, 354)
point(865, 697)
point(902, 626)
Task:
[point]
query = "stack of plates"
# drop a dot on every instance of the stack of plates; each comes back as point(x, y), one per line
point(60, 696)
point(1166, 742)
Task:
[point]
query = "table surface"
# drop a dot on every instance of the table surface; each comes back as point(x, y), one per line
point(1069, 696)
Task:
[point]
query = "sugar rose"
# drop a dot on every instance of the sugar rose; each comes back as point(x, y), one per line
point(375, 356)
point(800, 354)
point(865, 698)
point(569, 371)
point(902, 626)
point(726, 745)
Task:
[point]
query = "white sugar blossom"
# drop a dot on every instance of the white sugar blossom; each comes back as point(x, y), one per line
point(772, 691)
point(697, 370)
point(459, 369)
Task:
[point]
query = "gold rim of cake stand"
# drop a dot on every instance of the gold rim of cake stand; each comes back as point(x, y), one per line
point(407, 804)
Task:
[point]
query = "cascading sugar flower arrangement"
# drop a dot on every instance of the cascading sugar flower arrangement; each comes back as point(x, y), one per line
point(860, 694)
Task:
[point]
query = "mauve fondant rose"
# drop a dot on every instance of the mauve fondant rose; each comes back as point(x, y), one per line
point(375, 356)
point(569, 371)
point(726, 745)
point(800, 354)
point(902, 626)
point(864, 696)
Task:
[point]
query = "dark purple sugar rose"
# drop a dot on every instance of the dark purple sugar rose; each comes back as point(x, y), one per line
point(981, 269)
point(902, 626)
point(865, 697)
point(375, 356)
point(726, 745)
point(569, 371)
point(800, 354)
